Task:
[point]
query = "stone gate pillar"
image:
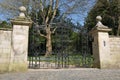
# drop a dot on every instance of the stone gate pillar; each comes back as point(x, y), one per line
point(101, 45)
point(19, 43)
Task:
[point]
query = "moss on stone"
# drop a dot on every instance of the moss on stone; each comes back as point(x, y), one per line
point(18, 67)
point(4, 68)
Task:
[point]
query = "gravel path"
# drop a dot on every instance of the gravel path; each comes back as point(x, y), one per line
point(64, 74)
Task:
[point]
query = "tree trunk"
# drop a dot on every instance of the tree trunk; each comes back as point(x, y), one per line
point(118, 32)
point(48, 42)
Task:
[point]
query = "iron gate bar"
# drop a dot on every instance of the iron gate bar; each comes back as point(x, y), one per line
point(67, 52)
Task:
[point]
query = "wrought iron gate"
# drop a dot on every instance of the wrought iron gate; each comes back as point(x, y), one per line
point(71, 48)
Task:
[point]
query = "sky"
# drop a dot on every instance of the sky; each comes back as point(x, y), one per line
point(81, 18)
point(75, 18)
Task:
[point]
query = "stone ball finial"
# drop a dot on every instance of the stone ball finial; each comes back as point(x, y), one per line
point(22, 9)
point(99, 23)
point(99, 18)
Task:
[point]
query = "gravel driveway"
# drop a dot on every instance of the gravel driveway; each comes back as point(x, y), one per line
point(64, 74)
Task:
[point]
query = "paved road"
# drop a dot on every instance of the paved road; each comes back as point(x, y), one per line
point(64, 74)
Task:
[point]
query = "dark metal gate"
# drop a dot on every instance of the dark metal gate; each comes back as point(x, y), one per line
point(71, 48)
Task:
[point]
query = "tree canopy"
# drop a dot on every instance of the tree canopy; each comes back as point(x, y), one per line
point(110, 12)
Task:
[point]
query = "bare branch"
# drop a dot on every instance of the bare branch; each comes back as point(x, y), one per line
point(73, 6)
point(9, 7)
point(55, 10)
point(41, 34)
point(41, 5)
point(49, 11)
point(44, 3)
point(54, 30)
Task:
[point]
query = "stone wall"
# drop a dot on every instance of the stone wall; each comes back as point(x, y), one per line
point(115, 51)
point(5, 49)
point(14, 47)
point(14, 44)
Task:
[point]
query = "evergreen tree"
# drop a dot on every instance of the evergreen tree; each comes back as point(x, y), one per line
point(109, 10)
